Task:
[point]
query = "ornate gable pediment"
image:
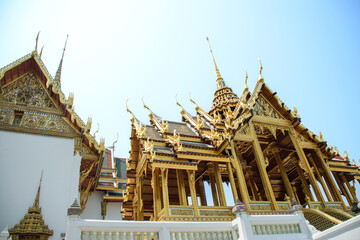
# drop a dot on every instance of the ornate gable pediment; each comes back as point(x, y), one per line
point(26, 106)
point(264, 108)
point(27, 91)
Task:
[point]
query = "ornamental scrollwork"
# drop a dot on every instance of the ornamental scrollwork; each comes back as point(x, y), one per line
point(182, 212)
point(27, 91)
point(45, 122)
point(263, 108)
point(6, 115)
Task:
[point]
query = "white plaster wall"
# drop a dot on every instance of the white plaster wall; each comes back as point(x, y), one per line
point(22, 158)
point(93, 206)
point(113, 211)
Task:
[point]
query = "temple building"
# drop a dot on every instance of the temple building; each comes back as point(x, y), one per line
point(250, 147)
point(40, 131)
point(251, 141)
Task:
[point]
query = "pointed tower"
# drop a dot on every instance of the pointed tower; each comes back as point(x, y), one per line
point(223, 96)
point(57, 79)
point(32, 225)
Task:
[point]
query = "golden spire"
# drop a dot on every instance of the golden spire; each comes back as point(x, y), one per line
point(219, 80)
point(36, 202)
point(36, 42)
point(58, 72)
point(261, 79)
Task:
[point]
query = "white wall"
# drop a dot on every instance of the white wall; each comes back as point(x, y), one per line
point(113, 211)
point(22, 158)
point(93, 206)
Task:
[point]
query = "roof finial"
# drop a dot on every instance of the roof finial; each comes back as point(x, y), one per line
point(41, 51)
point(36, 41)
point(219, 80)
point(261, 79)
point(142, 98)
point(58, 72)
point(246, 79)
point(36, 202)
point(117, 138)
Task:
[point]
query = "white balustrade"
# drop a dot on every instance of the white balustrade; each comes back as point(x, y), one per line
point(257, 227)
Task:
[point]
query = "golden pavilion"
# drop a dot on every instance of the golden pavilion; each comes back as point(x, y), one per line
point(251, 141)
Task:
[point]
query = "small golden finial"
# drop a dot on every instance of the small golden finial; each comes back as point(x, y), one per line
point(128, 110)
point(295, 111)
point(261, 79)
point(97, 130)
point(336, 151)
point(246, 79)
point(36, 41)
point(346, 156)
point(177, 103)
point(321, 136)
point(219, 80)
point(142, 98)
point(117, 138)
point(41, 51)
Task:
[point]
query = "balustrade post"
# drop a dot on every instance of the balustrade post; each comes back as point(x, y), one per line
point(72, 230)
point(164, 234)
point(241, 220)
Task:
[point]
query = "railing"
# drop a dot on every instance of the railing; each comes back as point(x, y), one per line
point(256, 227)
point(85, 229)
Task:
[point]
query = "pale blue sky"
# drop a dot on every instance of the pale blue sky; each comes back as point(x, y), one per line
point(128, 49)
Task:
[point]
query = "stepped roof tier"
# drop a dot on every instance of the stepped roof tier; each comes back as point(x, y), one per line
point(254, 143)
point(32, 101)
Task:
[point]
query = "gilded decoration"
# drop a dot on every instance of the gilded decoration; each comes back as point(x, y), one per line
point(263, 108)
point(45, 122)
point(26, 91)
point(6, 115)
point(260, 207)
point(182, 212)
point(214, 213)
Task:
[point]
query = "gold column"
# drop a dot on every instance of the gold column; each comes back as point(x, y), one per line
point(293, 186)
point(260, 162)
point(341, 179)
point(330, 180)
point(319, 177)
point(275, 151)
point(165, 190)
point(232, 181)
point(307, 167)
point(194, 202)
point(212, 184)
point(240, 175)
point(201, 188)
point(156, 193)
point(304, 182)
point(140, 201)
point(350, 188)
point(219, 184)
point(181, 187)
point(250, 181)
